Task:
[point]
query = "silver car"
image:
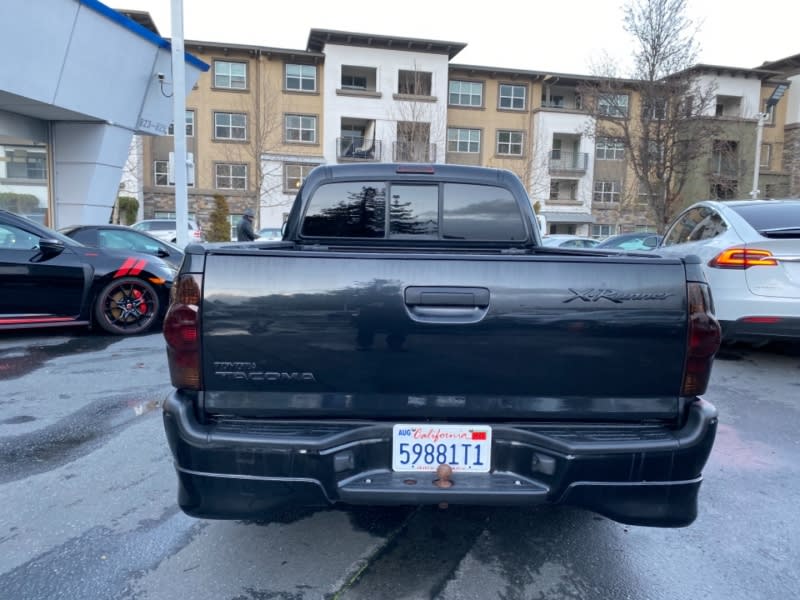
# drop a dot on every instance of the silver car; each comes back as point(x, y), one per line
point(167, 230)
point(750, 253)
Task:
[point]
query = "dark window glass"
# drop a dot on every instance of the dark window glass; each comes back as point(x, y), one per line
point(481, 212)
point(768, 215)
point(414, 211)
point(699, 223)
point(349, 210)
point(86, 236)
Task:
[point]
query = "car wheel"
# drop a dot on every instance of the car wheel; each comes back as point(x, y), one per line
point(127, 306)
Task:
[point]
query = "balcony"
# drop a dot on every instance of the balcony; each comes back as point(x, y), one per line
point(564, 162)
point(358, 149)
point(415, 152)
point(561, 98)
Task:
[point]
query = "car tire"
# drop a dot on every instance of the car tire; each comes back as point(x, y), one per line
point(127, 306)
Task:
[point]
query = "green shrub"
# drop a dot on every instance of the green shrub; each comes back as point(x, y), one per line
point(219, 229)
point(128, 209)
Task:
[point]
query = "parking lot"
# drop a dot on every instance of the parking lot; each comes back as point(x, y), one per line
point(87, 492)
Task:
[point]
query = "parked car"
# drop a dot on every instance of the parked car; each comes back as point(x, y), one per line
point(167, 230)
point(642, 240)
point(270, 234)
point(751, 257)
point(48, 279)
point(120, 237)
point(563, 240)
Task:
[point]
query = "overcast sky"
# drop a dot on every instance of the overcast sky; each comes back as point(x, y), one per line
point(565, 36)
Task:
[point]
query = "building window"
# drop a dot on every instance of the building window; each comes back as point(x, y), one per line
point(358, 78)
point(233, 222)
point(231, 177)
point(230, 75)
point(608, 148)
point(642, 193)
point(724, 189)
point(554, 189)
point(294, 176)
point(509, 142)
point(466, 93)
point(655, 108)
point(600, 231)
point(161, 172)
point(606, 191)
point(301, 128)
point(464, 140)
point(613, 105)
point(770, 112)
point(512, 96)
point(301, 78)
point(766, 156)
point(230, 126)
point(414, 83)
point(21, 163)
point(189, 125)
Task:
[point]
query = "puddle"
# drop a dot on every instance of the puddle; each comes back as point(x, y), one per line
point(29, 354)
point(18, 420)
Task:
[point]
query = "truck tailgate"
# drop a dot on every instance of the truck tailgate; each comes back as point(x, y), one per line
point(290, 333)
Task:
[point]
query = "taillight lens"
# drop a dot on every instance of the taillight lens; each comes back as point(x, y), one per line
point(182, 332)
point(743, 258)
point(704, 338)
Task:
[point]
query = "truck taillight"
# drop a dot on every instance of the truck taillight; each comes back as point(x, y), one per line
point(182, 332)
point(743, 258)
point(703, 340)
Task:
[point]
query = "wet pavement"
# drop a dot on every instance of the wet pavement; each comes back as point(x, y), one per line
point(87, 505)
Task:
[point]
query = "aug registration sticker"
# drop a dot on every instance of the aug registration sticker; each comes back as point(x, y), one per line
point(466, 448)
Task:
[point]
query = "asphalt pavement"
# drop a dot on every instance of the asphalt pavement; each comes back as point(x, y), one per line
point(87, 505)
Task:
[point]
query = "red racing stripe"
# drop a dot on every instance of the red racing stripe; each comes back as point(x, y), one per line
point(27, 320)
point(137, 268)
point(123, 270)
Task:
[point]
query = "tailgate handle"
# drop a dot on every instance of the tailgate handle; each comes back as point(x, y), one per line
point(473, 297)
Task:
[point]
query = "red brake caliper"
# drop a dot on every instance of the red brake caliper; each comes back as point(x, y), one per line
point(142, 307)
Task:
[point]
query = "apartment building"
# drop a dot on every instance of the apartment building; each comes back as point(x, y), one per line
point(729, 168)
point(262, 118)
point(253, 129)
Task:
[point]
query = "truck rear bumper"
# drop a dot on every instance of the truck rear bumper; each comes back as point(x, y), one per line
point(243, 469)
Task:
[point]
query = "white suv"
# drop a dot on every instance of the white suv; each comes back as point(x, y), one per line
point(166, 229)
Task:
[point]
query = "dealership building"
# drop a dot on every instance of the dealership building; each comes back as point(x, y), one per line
point(77, 81)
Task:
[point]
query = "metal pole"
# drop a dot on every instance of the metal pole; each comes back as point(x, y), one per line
point(759, 133)
point(179, 127)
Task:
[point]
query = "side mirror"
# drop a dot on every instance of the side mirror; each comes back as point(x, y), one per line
point(161, 253)
point(283, 229)
point(650, 242)
point(50, 247)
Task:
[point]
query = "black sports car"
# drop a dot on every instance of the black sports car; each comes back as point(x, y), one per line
point(120, 237)
point(48, 279)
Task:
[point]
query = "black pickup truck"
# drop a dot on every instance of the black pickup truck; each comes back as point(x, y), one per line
point(409, 341)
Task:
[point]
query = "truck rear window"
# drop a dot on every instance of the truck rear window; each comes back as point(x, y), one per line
point(350, 210)
point(455, 211)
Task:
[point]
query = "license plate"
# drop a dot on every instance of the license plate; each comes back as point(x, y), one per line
point(424, 447)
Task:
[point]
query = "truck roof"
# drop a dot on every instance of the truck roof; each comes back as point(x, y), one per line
point(465, 173)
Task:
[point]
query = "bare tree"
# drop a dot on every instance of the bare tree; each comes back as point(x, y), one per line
point(533, 168)
point(667, 133)
point(419, 119)
point(262, 134)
